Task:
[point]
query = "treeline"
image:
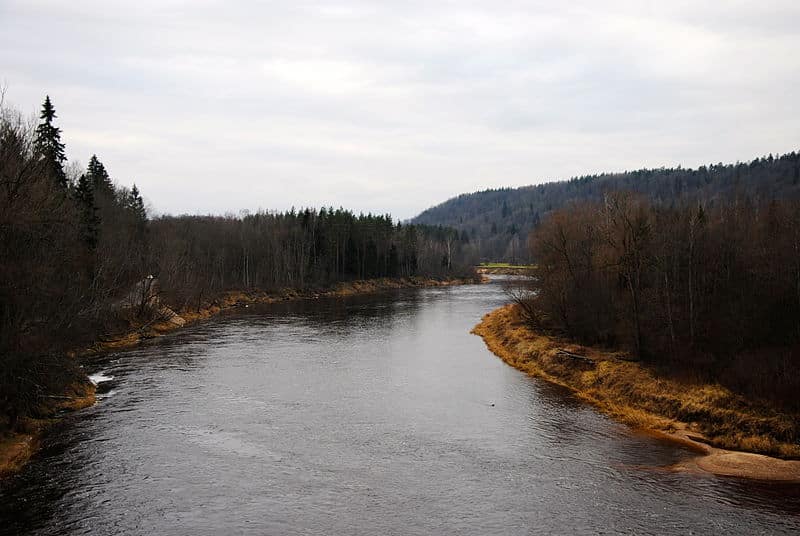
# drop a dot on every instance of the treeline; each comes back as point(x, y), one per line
point(73, 245)
point(195, 257)
point(714, 290)
point(497, 222)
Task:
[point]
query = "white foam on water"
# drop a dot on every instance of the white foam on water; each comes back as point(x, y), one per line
point(100, 378)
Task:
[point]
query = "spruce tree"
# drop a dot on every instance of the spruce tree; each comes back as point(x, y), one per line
point(136, 205)
point(98, 176)
point(49, 146)
point(90, 221)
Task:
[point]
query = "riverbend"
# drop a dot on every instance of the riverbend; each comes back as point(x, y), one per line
point(362, 415)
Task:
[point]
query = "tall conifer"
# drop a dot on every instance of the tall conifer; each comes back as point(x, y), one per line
point(99, 176)
point(48, 144)
point(136, 205)
point(84, 193)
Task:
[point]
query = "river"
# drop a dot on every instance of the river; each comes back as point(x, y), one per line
point(365, 415)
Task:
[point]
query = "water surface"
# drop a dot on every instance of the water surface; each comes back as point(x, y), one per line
point(368, 415)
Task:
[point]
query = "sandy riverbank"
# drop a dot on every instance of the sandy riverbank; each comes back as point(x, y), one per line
point(731, 435)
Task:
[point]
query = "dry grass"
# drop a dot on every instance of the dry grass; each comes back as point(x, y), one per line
point(505, 269)
point(506, 265)
point(636, 395)
point(15, 451)
point(16, 448)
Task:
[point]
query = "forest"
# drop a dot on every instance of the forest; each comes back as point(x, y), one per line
point(702, 289)
point(497, 222)
point(73, 245)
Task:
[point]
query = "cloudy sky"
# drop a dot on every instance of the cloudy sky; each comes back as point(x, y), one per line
point(394, 106)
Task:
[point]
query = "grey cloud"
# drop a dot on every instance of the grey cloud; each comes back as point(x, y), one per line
point(393, 106)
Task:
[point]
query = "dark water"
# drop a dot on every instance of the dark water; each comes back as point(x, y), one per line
point(378, 415)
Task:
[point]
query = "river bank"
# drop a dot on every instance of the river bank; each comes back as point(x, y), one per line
point(733, 436)
point(505, 269)
point(17, 448)
point(173, 320)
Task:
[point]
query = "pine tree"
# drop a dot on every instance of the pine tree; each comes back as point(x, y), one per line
point(98, 175)
point(136, 205)
point(49, 146)
point(90, 221)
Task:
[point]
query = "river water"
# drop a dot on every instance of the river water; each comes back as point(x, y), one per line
point(367, 415)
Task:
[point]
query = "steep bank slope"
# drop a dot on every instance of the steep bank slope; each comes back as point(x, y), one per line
point(706, 417)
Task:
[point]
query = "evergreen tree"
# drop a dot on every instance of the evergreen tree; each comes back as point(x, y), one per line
point(98, 175)
point(136, 205)
point(90, 221)
point(48, 144)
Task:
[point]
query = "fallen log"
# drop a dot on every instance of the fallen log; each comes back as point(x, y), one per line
point(576, 357)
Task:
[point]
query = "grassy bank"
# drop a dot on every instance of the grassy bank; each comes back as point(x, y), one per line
point(17, 447)
point(502, 268)
point(707, 417)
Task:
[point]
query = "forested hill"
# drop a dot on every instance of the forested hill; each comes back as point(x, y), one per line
point(497, 222)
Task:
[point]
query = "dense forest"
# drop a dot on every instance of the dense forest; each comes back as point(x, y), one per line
point(73, 245)
point(498, 222)
point(712, 289)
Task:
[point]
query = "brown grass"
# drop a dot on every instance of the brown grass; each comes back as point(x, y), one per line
point(636, 395)
point(16, 448)
point(15, 451)
point(505, 269)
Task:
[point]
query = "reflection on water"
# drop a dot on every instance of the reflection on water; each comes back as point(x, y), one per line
point(359, 416)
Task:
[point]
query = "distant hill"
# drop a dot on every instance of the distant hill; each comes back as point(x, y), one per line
point(498, 222)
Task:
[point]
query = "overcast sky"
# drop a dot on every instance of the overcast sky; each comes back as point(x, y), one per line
point(394, 106)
